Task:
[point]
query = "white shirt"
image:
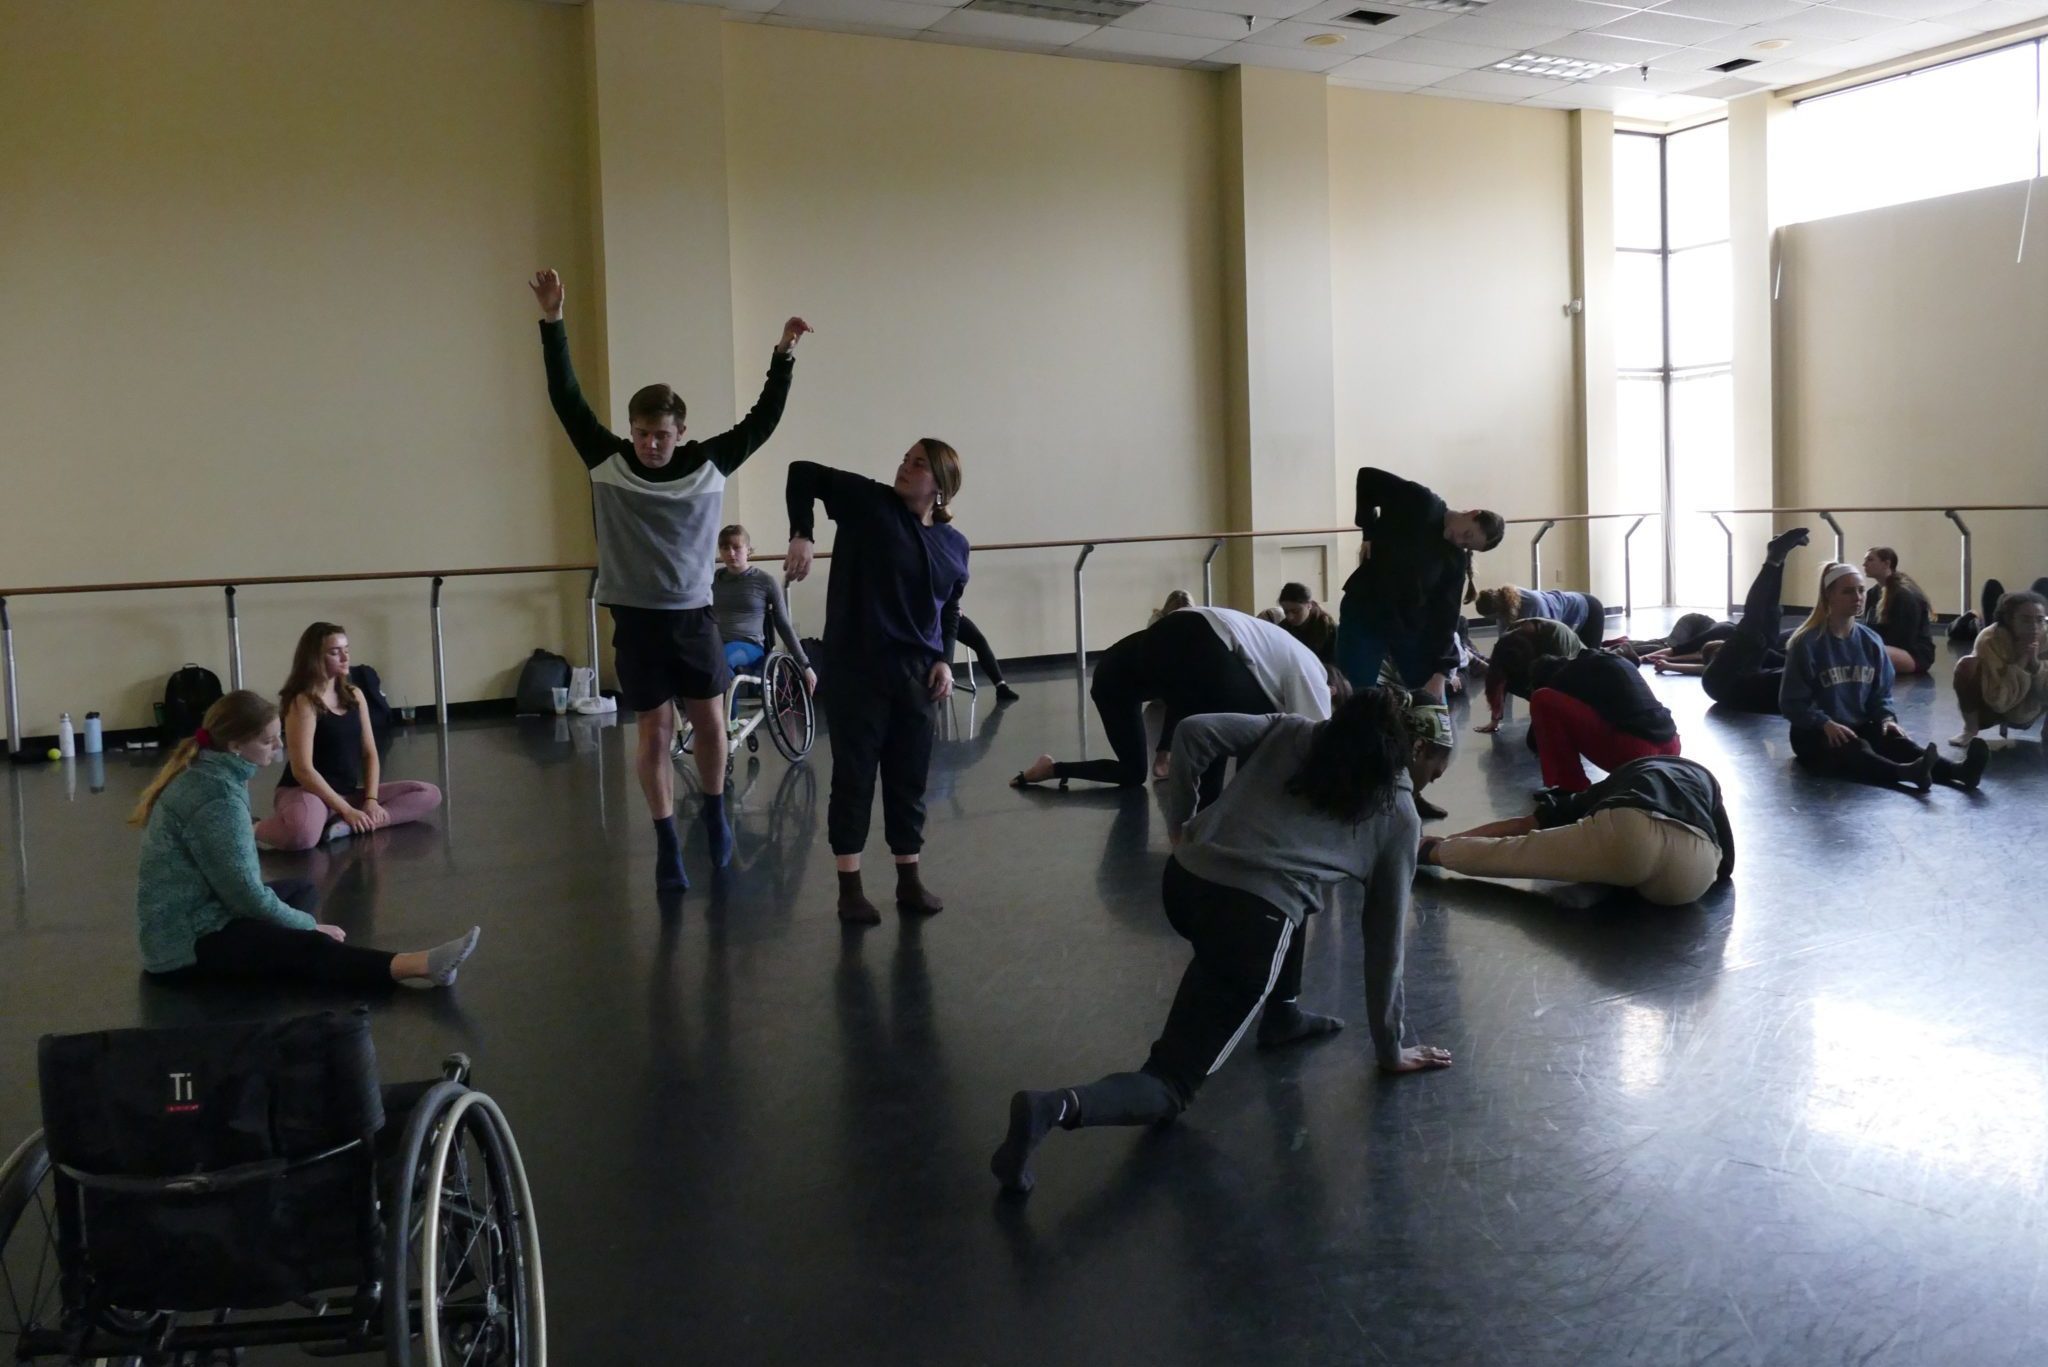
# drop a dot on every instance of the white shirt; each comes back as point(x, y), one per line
point(1289, 671)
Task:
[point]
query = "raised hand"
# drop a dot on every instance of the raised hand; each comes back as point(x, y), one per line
point(792, 332)
point(547, 291)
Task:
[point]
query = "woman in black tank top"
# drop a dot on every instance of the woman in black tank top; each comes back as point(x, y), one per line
point(333, 785)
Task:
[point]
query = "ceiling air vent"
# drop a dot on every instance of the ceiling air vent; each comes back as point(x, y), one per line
point(1073, 11)
point(1738, 64)
point(1364, 18)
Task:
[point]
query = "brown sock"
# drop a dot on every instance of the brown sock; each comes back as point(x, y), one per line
point(854, 906)
point(911, 894)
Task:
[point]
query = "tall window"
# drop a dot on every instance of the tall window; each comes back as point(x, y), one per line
point(1674, 349)
point(1959, 126)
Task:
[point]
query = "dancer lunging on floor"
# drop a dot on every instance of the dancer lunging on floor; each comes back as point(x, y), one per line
point(1837, 694)
point(1312, 804)
point(202, 907)
point(656, 499)
point(892, 613)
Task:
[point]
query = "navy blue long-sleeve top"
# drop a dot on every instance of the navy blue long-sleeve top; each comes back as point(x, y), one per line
point(896, 581)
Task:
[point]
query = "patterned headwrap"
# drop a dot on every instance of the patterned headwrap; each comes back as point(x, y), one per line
point(1429, 720)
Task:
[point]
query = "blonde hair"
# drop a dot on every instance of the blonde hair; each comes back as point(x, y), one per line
point(239, 716)
point(1175, 601)
point(1819, 616)
point(1505, 602)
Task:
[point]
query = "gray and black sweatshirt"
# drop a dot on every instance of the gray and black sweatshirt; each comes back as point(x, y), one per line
point(1261, 839)
point(657, 530)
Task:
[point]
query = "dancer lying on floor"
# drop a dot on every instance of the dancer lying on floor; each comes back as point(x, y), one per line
point(1312, 804)
point(1837, 693)
point(1196, 660)
point(1742, 663)
point(202, 908)
point(1656, 825)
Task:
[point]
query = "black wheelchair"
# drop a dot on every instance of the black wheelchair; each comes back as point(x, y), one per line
point(197, 1194)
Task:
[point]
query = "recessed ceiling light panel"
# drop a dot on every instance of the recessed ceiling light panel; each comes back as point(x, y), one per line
point(1557, 68)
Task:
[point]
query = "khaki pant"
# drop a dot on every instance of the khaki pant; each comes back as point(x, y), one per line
point(1665, 862)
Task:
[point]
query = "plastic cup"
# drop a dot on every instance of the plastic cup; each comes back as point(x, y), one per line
point(561, 700)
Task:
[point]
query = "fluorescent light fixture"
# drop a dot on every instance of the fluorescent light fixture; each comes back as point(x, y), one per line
point(1557, 68)
point(1447, 6)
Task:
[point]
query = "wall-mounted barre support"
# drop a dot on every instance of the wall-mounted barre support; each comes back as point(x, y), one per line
point(1209, 574)
point(1536, 554)
point(1829, 518)
point(440, 664)
point(1081, 612)
point(1963, 590)
point(234, 640)
point(1628, 578)
point(590, 605)
point(13, 689)
point(1730, 536)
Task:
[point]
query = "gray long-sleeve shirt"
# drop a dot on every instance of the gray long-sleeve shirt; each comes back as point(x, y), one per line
point(747, 603)
point(1261, 839)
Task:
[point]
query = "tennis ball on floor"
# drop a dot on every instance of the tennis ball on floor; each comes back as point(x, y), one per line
point(55, 753)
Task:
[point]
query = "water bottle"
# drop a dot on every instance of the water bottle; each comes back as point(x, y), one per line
point(67, 740)
point(92, 733)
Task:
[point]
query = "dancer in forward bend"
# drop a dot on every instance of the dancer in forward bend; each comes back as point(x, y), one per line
point(892, 614)
point(1837, 693)
point(1656, 825)
point(1507, 605)
point(1548, 637)
point(1312, 804)
point(656, 500)
point(1194, 661)
point(1594, 706)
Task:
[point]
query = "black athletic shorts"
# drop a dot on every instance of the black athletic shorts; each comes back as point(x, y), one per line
point(667, 653)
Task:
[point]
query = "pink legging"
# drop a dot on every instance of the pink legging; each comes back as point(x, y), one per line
point(1565, 728)
point(300, 820)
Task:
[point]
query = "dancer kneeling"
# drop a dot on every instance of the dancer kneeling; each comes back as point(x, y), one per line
point(1507, 605)
point(333, 784)
point(1312, 804)
point(1195, 660)
point(2001, 682)
point(1656, 825)
point(1837, 694)
point(202, 907)
point(1546, 636)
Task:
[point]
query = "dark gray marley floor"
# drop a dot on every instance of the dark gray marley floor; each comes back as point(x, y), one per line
point(1803, 1122)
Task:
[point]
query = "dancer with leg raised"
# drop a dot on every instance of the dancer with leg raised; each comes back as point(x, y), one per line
point(892, 614)
point(1312, 804)
point(656, 500)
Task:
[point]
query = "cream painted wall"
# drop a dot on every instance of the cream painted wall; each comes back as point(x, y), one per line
point(1451, 246)
point(263, 276)
point(1909, 350)
point(1017, 254)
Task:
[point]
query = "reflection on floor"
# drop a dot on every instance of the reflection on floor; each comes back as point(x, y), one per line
point(1804, 1122)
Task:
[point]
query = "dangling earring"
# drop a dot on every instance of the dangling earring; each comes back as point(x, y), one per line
point(938, 500)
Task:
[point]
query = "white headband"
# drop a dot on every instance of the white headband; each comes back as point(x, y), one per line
point(1827, 581)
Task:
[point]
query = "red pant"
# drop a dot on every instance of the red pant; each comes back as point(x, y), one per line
point(1566, 728)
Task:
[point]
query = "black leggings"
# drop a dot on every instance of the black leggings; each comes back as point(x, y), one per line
point(248, 948)
point(1595, 626)
point(984, 654)
point(1875, 756)
point(1246, 953)
point(1748, 669)
point(878, 715)
point(1178, 660)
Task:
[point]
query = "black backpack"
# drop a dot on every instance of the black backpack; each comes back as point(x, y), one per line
point(189, 693)
point(1963, 631)
point(378, 706)
point(542, 674)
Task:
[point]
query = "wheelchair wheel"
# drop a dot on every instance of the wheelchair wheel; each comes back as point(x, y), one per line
point(792, 721)
point(31, 1299)
point(462, 1226)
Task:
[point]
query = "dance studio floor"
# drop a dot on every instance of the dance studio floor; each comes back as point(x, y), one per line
point(1803, 1123)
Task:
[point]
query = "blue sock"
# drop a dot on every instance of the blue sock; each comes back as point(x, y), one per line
point(717, 830)
point(668, 856)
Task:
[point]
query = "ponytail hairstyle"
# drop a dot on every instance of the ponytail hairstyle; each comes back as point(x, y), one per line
point(945, 464)
point(1504, 602)
point(1355, 758)
point(239, 716)
point(307, 671)
point(1471, 588)
point(1893, 583)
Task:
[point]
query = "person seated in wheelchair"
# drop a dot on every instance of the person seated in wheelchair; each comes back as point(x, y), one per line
point(748, 602)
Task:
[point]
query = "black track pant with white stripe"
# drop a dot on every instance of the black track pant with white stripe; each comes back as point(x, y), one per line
point(1246, 950)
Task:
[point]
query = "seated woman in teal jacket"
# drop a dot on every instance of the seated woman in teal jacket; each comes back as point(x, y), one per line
point(202, 907)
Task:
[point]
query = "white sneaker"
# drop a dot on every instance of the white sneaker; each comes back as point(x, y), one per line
point(1961, 740)
point(338, 830)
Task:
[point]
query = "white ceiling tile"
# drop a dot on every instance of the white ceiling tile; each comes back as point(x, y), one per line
point(1461, 56)
point(1665, 108)
point(1295, 33)
point(1837, 25)
point(1689, 59)
point(747, 6)
point(814, 24)
point(1743, 42)
point(932, 35)
point(1599, 47)
point(1925, 36)
point(1479, 96)
point(1484, 31)
point(1263, 9)
point(1381, 72)
point(1403, 21)
point(1906, 9)
point(1509, 83)
point(1020, 28)
point(1189, 23)
point(1997, 14)
point(1727, 88)
point(1746, 11)
point(1132, 42)
point(1655, 26)
point(1655, 81)
point(1864, 52)
point(1295, 58)
point(1578, 95)
point(888, 14)
point(1572, 15)
point(1790, 73)
point(1121, 58)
